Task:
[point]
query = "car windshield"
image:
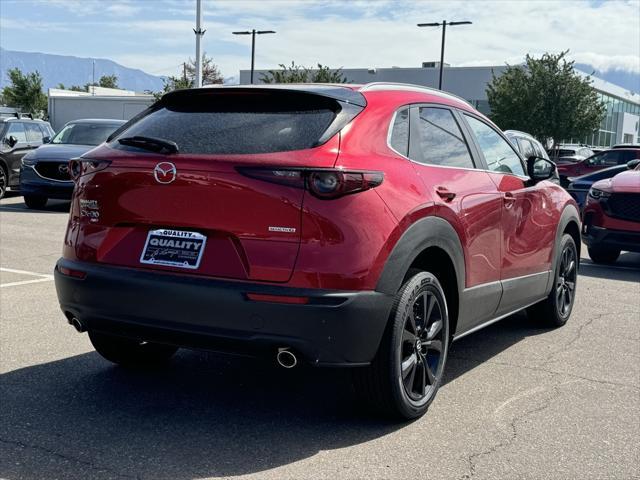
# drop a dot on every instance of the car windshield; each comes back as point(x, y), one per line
point(84, 133)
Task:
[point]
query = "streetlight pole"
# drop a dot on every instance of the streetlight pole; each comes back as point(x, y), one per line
point(253, 34)
point(444, 30)
point(199, 33)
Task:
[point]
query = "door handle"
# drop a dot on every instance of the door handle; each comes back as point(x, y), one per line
point(446, 194)
point(509, 199)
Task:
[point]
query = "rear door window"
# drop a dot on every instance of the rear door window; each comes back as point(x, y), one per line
point(238, 122)
point(440, 140)
point(34, 134)
point(526, 148)
point(498, 153)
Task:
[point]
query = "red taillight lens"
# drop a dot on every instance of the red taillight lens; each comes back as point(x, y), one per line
point(69, 272)
point(84, 166)
point(259, 297)
point(326, 183)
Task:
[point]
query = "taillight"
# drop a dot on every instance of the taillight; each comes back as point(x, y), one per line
point(325, 183)
point(83, 166)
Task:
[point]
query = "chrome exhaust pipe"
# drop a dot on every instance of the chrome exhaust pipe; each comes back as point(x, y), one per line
point(77, 324)
point(286, 358)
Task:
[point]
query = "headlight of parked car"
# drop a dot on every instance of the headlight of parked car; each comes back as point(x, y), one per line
point(598, 194)
point(28, 162)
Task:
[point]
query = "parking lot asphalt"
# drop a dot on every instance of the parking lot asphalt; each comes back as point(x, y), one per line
point(519, 401)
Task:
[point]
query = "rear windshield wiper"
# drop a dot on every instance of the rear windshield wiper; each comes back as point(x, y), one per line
point(157, 145)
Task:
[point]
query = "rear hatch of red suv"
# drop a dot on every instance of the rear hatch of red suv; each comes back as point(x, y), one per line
point(208, 181)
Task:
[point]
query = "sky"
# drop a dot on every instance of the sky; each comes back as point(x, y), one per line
point(156, 35)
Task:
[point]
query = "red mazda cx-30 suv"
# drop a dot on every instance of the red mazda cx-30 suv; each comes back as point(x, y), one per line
point(612, 216)
point(339, 225)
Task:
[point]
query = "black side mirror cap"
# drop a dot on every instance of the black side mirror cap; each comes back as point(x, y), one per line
point(632, 164)
point(46, 139)
point(539, 168)
point(11, 141)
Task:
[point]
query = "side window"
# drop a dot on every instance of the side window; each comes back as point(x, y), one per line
point(541, 152)
point(34, 134)
point(399, 139)
point(526, 148)
point(612, 158)
point(16, 129)
point(499, 155)
point(440, 140)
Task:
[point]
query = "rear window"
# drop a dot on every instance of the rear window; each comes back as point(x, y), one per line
point(237, 123)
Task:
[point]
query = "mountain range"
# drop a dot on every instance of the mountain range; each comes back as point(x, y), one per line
point(68, 70)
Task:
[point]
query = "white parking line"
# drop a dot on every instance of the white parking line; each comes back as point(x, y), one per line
point(611, 267)
point(42, 277)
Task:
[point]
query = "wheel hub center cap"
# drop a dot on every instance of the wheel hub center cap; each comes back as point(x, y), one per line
point(418, 345)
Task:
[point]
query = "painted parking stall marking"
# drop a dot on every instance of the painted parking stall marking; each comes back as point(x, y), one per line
point(41, 277)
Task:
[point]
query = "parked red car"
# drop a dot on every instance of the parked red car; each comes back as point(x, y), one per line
point(350, 226)
point(605, 159)
point(612, 217)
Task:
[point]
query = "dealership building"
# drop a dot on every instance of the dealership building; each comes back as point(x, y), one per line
point(620, 125)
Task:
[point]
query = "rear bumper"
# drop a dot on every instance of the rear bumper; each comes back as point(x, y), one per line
point(336, 328)
point(603, 237)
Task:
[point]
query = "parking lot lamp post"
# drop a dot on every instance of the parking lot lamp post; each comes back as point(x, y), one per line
point(199, 33)
point(444, 30)
point(253, 34)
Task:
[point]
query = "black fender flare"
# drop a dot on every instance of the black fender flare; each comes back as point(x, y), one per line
point(427, 232)
point(569, 214)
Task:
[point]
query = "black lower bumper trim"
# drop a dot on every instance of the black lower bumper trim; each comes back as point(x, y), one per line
point(603, 237)
point(336, 328)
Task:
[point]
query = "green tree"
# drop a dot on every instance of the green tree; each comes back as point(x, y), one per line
point(108, 81)
point(547, 98)
point(25, 92)
point(210, 72)
point(301, 74)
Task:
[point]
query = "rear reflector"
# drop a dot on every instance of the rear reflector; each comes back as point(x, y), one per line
point(259, 297)
point(69, 272)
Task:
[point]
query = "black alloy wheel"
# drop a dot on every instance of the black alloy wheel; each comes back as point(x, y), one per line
point(3, 182)
point(422, 344)
point(566, 280)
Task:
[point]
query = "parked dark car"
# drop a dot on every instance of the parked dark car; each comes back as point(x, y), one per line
point(44, 172)
point(18, 135)
point(612, 217)
point(579, 187)
point(608, 158)
point(361, 226)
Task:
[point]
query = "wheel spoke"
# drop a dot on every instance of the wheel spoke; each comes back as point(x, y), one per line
point(409, 365)
point(408, 337)
point(571, 285)
point(429, 309)
point(430, 377)
point(435, 345)
point(434, 329)
point(412, 320)
point(569, 270)
point(567, 298)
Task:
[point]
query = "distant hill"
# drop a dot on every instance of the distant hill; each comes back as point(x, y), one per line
point(627, 80)
point(68, 70)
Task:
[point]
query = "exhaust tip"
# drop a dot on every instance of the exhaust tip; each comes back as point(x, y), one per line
point(77, 324)
point(286, 358)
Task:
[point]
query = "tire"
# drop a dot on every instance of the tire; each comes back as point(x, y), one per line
point(407, 371)
point(603, 254)
point(35, 202)
point(555, 310)
point(4, 181)
point(128, 352)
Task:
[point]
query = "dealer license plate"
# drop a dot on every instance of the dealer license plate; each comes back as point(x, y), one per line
point(173, 248)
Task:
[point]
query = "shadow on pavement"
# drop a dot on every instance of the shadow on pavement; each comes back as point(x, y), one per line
point(53, 206)
point(626, 269)
point(204, 415)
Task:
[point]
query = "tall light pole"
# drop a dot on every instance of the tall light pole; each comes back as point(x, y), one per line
point(199, 33)
point(253, 34)
point(444, 29)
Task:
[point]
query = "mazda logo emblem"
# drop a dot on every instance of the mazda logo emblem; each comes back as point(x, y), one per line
point(165, 172)
point(63, 169)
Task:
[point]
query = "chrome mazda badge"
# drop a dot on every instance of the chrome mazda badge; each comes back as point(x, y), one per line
point(165, 172)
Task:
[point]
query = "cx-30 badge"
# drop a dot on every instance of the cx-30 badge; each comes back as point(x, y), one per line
point(165, 172)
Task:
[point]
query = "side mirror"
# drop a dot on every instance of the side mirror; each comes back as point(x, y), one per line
point(11, 141)
point(632, 164)
point(540, 169)
point(46, 139)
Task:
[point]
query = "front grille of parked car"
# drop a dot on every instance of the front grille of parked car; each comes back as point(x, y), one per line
point(625, 206)
point(54, 170)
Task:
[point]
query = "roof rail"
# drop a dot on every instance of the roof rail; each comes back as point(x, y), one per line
point(411, 87)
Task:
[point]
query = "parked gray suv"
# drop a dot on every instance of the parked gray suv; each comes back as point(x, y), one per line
point(19, 133)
